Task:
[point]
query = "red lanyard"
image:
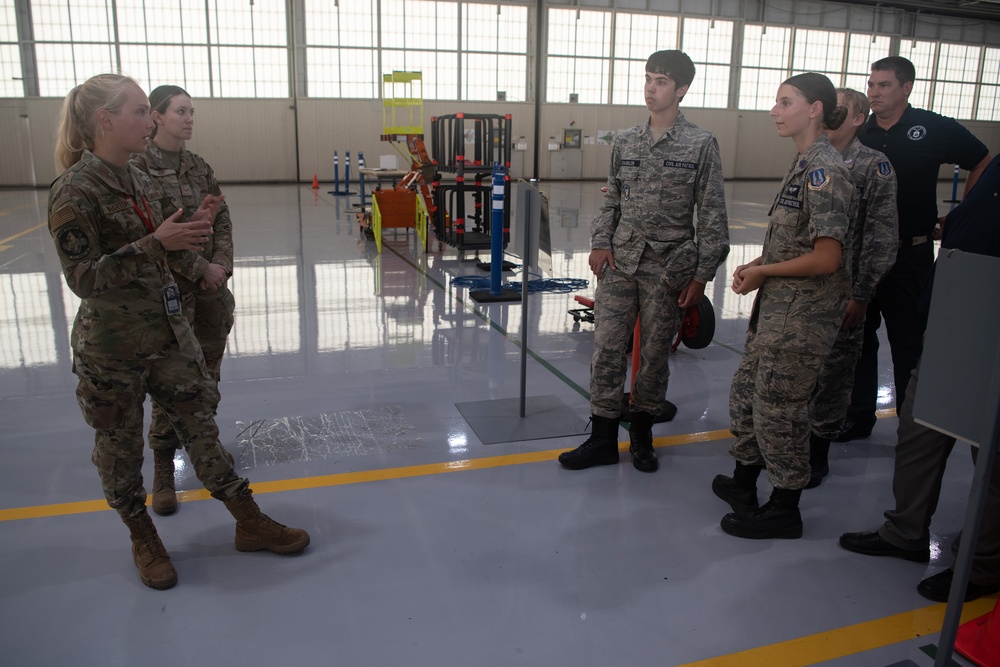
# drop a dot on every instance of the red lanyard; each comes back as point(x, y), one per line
point(147, 219)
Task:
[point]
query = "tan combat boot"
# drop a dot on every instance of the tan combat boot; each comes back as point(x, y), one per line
point(164, 493)
point(256, 531)
point(155, 568)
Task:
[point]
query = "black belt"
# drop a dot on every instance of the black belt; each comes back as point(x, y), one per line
point(913, 240)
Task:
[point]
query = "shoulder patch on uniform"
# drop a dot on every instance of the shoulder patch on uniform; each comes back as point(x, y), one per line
point(818, 179)
point(884, 169)
point(73, 242)
point(61, 217)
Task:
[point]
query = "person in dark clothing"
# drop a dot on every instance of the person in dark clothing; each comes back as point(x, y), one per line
point(917, 142)
point(922, 452)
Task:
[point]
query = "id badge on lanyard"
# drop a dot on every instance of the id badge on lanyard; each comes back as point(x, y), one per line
point(171, 299)
point(170, 293)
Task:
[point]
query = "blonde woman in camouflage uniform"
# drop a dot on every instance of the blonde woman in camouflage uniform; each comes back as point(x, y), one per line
point(131, 337)
point(185, 179)
point(804, 285)
point(652, 258)
point(874, 237)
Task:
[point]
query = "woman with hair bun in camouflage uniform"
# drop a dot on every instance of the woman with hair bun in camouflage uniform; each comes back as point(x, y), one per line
point(185, 179)
point(131, 337)
point(803, 285)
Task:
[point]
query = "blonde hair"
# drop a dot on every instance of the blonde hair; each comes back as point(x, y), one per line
point(858, 103)
point(77, 127)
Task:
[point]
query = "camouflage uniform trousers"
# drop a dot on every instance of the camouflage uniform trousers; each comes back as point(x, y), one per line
point(650, 294)
point(111, 393)
point(832, 396)
point(212, 320)
point(769, 411)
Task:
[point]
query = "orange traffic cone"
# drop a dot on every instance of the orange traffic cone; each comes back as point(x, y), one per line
point(979, 639)
point(315, 182)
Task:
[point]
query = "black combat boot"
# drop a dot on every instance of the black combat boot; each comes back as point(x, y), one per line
point(778, 518)
point(819, 460)
point(600, 449)
point(740, 490)
point(640, 434)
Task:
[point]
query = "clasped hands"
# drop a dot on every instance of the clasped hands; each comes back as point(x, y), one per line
point(176, 234)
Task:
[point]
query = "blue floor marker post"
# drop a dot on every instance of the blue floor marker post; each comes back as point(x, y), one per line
point(497, 292)
point(954, 189)
point(336, 176)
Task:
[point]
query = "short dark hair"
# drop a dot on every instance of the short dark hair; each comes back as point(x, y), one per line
point(898, 65)
point(674, 64)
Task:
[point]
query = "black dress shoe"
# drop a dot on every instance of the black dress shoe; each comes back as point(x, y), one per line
point(938, 587)
point(852, 430)
point(872, 544)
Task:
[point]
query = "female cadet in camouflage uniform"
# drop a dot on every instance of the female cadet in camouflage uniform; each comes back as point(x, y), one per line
point(186, 179)
point(130, 336)
point(804, 282)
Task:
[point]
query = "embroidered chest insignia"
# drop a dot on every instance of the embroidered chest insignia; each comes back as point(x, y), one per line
point(884, 169)
point(793, 190)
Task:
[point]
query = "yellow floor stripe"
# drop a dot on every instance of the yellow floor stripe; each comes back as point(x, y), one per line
point(19, 235)
point(340, 479)
point(823, 646)
point(799, 652)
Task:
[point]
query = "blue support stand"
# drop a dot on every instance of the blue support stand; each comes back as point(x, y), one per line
point(497, 292)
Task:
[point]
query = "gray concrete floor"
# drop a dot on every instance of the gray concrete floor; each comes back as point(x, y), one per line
point(339, 398)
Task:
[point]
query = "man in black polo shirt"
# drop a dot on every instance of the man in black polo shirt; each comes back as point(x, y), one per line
point(922, 452)
point(917, 142)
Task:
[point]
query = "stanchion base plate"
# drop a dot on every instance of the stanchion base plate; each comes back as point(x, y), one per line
point(487, 296)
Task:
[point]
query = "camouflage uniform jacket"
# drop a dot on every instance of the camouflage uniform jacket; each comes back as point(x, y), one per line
point(653, 190)
point(186, 188)
point(112, 261)
point(875, 228)
point(802, 314)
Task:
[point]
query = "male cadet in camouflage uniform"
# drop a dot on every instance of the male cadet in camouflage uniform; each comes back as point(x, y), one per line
point(185, 178)
point(874, 237)
point(651, 257)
